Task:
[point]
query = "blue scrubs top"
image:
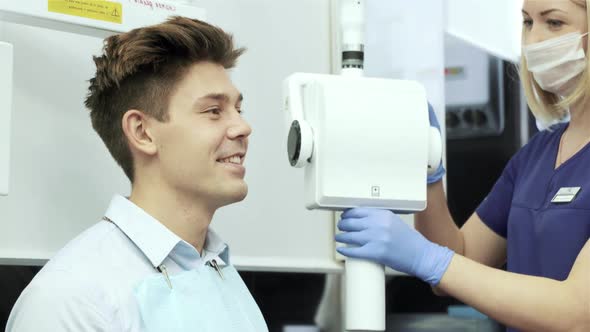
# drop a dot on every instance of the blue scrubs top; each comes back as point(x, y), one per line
point(543, 238)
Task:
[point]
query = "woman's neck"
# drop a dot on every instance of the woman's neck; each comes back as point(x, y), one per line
point(579, 125)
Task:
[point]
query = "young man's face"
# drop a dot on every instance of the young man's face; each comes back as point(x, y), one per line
point(201, 148)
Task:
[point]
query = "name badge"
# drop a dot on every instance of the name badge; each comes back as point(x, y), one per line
point(566, 194)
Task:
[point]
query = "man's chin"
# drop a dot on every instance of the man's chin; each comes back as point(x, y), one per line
point(241, 195)
point(236, 195)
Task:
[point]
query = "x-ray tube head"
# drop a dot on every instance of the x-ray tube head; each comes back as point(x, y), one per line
point(363, 141)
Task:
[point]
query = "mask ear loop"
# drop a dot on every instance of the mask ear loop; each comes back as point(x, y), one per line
point(581, 37)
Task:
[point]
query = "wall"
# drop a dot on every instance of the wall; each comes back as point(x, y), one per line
point(63, 177)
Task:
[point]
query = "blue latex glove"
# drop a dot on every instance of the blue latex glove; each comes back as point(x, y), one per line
point(381, 236)
point(440, 172)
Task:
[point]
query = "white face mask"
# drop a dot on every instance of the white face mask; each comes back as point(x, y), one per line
point(556, 61)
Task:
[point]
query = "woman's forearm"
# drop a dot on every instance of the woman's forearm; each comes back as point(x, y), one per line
point(524, 302)
point(436, 223)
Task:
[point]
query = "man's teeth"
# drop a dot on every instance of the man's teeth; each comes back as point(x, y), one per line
point(233, 160)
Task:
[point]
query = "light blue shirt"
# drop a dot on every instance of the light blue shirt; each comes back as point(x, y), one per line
point(88, 285)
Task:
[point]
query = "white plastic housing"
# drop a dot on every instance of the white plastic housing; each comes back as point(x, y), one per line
point(6, 59)
point(365, 296)
point(352, 16)
point(371, 141)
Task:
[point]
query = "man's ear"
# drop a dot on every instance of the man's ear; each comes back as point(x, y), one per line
point(138, 132)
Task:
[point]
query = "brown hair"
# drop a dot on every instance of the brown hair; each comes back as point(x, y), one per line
point(140, 69)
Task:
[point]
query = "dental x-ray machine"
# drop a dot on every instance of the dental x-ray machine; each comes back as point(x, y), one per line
point(363, 142)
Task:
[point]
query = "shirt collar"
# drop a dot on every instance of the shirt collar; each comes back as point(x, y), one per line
point(155, 240)
point(214, 246)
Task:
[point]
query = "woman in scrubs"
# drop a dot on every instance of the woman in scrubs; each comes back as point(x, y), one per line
point(536, 219)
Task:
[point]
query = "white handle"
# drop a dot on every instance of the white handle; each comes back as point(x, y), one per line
point(365, 295)
point(293, 86)
point(299, 129)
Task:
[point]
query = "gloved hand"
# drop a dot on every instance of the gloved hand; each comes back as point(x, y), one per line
point(440, 172)
point(382, 237)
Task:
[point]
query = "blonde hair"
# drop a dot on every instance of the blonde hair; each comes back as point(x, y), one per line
point(549, 107)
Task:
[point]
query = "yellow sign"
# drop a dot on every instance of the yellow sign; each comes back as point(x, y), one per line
point(101, 10)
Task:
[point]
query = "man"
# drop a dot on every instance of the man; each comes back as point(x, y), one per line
point(165, 107)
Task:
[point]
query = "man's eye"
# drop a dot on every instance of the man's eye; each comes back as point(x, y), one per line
point(215, 111)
